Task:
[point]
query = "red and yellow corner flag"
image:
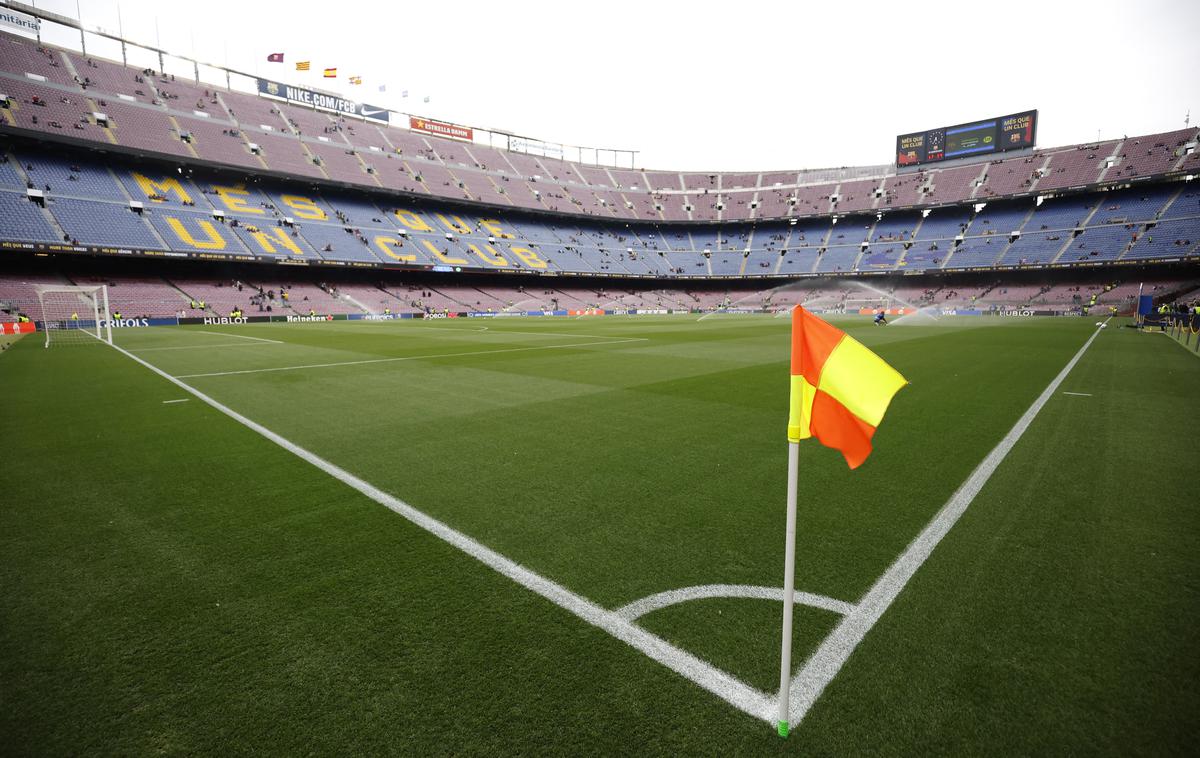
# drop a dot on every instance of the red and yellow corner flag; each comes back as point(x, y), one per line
point(840, 389)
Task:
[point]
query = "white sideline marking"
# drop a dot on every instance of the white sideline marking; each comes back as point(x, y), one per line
point(410, 358)
point(833, 653)
point(198, 347)
point(1079, 394)
point(168, 402)
point(239, 336)
point(639, 608)
point(728, 688)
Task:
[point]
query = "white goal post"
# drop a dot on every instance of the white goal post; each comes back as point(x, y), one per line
point(75, 315)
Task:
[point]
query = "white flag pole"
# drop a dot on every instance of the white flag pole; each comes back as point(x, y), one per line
point(789, 587)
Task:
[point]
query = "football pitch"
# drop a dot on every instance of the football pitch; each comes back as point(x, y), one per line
point(565, 536)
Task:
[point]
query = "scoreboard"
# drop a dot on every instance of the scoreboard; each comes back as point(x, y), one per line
point(994, 135)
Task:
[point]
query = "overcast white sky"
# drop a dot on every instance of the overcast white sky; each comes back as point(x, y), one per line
point(720, 86)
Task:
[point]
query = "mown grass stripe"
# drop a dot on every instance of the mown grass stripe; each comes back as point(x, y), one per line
point(738, 694)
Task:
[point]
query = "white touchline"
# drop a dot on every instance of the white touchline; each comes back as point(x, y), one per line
point(410, 358)
point(639, 608)
point(239, 336)
point(728, 688)
point(827, 661)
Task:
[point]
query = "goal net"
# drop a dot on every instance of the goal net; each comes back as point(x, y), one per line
point(75, 315)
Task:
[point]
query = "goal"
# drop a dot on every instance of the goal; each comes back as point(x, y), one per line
point(75, 315)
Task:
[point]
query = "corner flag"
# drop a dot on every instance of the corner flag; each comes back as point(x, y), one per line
point(840, 391)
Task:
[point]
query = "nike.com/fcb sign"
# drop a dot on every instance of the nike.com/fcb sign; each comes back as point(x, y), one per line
point(314, 99)
point(11, 19)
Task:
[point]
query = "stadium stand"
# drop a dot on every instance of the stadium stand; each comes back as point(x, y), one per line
point(152, 113)
point(196, 170)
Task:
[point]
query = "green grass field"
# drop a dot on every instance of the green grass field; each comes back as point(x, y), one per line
point(175, 582)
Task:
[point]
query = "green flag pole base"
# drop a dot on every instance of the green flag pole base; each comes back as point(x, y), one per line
point(783, 729)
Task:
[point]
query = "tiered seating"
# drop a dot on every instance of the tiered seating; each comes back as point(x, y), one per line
point(105, 224)
point(1073, 168)
point(144, 121)
point(219, 296)
point(1048, 230)
point(113, 80)
point(141, 297)
point(1149, 155)
point(25, 56)
point(304, 297)
point(43, 109)
point(19, 291)
point(23, 221)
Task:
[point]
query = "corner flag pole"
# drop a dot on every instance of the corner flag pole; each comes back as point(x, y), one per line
point(789, 587)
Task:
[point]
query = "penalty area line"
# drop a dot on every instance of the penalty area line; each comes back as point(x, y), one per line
point(730, 689)
point(198, 347)
point(409, 358)
point(827, 661)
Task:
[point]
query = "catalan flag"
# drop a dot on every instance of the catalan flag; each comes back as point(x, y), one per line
point(331, 73)
point(355, 80)
point(303, 65)
point(840, 389)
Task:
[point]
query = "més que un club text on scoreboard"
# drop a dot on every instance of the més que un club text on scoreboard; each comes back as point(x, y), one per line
point(993, 135)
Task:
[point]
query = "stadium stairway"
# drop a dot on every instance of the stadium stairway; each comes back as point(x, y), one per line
point(1075, 232)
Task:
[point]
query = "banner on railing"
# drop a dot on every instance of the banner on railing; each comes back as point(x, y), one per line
point(314, 99)
point(10, 19)
point(441, 128)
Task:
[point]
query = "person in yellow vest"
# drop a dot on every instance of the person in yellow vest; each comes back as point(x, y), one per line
point(387, 311)
point(192, 304)
point(311, 312)
point(117, 316)
point(201, 305)
point(74, 316)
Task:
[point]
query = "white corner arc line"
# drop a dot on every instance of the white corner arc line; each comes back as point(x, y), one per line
point(183, 400)
point(730, 689)
point(409, 358)
point(650, 603)
point(1079, 394)
point(835, 650)
point(239, 336)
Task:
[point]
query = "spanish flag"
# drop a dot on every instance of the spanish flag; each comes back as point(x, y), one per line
point(840, 389)
point(331, 73)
